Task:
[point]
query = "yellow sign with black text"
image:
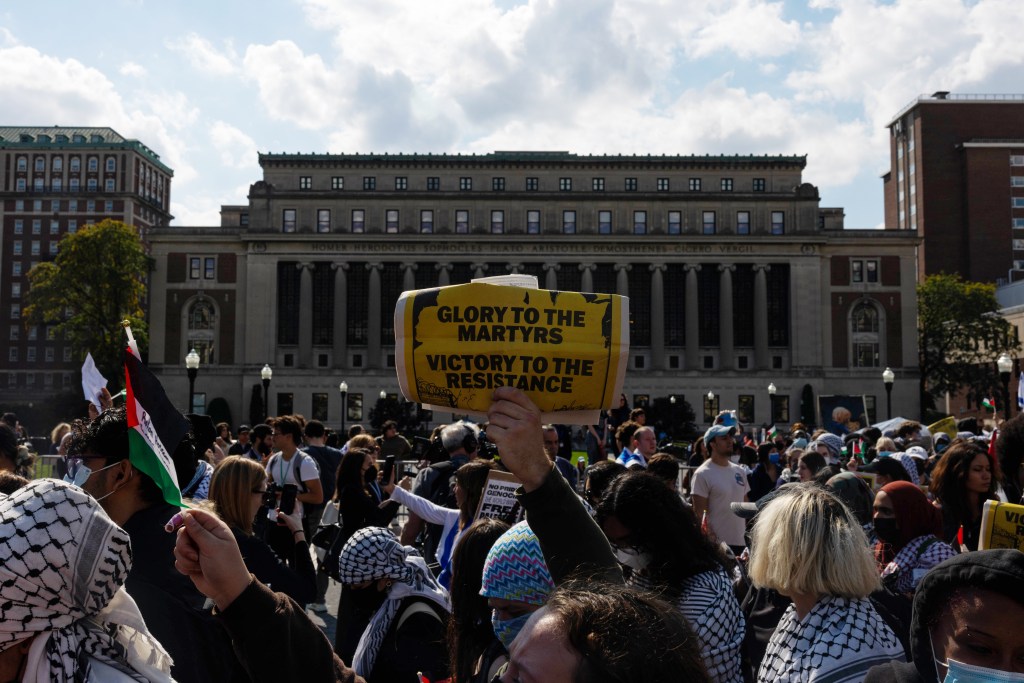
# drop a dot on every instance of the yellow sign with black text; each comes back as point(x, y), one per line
point(566, 350)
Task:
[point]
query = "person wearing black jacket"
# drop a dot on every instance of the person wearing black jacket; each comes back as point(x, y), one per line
point(967, 611)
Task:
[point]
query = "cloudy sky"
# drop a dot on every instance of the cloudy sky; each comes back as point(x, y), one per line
point(209, 84)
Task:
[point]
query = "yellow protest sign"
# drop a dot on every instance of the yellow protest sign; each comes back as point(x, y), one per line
point(946, 425)
point(566, 350)
point(1002, 526)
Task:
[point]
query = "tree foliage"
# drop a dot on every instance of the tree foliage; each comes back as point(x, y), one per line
point(407, 415)
point(960, 334)
point(97, 280)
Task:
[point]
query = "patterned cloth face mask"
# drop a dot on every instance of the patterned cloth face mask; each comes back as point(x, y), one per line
point(506, 630)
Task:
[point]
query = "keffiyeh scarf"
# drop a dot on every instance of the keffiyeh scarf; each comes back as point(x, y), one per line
point(838, 641)
point(62, 566)
point(372, 554)
point(914, 560)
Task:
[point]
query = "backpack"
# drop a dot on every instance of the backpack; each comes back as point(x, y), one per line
point(299, 455)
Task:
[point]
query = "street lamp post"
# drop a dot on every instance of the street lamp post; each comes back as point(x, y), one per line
point(888, 377)
point(711, 405)
point(1005, 365)
point(265, 374)
point(192, 367)
point(771, 401)
point(343, 388)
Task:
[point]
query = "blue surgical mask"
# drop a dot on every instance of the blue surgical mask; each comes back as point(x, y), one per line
point(79, 473)
point(507, 629)
point(773, 458)
point(958, 672)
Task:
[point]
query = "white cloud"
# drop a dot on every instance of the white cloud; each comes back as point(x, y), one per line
point(132, 69)
point(202, 55)
point(236, 149)
point(199, 211)
point(7, 38)
point(750, 28)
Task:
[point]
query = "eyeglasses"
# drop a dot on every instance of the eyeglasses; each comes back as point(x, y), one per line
point(75, 462)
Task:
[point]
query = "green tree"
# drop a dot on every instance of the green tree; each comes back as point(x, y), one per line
point(960, 334)
point(97, 280)
point(407, 415)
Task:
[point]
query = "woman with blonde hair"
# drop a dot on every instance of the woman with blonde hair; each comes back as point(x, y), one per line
point(807, 546)
point(237, 489)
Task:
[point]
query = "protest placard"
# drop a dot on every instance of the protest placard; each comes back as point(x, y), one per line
point(1002, 526)
point(498, 500)
point(869, 478)
point(567, 350)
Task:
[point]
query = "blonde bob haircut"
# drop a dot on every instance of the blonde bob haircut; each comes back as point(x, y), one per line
point(232, 485)
point(806, 542)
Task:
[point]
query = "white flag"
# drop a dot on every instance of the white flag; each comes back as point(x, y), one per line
point(1020, 392)
point(92, 381)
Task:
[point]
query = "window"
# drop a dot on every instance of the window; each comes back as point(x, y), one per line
point(15, 290)
point(1017, 223)
point(54, 227)
point(358, 220)
point(533, 222)
point(1018, 202)
point(675, 222)
point(742, 222)
point(111, 165)
point(1017, 160)
point(19, 185)
point(532, 184)
point(401, 183)
point(639, 222)
point(94, 164)
point(49, 355)
point(73, 185)
point(864, 333)
point(12, 355)
point(305, 182)
point(778, 222)
point(726, 185)
point(90, 206)
point(465, 183)
point(569, 222)
point(323, 220)
point(22, 164)
point(37, 184)
point(433, 183)
point(759, 184)
point(369, 182)
point(630, 184)
point(19, 226)
point(17, 248)
point(16, 268)
point(604, 222)
point(91, 185)
point(72, 225)
point(565, 184)
point(709, 223)
point(337, 182)
point(51, 333)
point(871, 271)
point(15, 311)
point(288, 220)
point(108, 206)
point(35, 248)
point(462, 221)
point(597, 185)
point(391, 221)
point(209, 268)
point(75, 165)
point(663, 185)
point(497, 221)
point(202, 329)
point(53, 247)
point(498, 184)
point(193, 267)
point(57, 185)
point(427, 220)
point(40, 164)
point(15, 332)
point(694, 185)
point(856, 271)
point(1017, 181)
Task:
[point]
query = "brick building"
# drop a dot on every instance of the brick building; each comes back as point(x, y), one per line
point(52, 182)
point(957, 179)
point(737, 277)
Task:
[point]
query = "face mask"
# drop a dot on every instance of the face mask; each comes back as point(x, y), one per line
point(633, 558)
point(82, 473)
point(506, 630)
point(887, 530)
point(773, 458)
point(958, 672)
point(370, 475)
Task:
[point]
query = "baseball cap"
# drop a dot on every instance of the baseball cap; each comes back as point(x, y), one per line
point(716, 431)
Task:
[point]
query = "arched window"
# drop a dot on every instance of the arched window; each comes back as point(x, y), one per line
point(202, 330)
point(865, 333)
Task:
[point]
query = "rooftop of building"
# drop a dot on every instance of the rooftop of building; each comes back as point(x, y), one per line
point(535, 157)
point(35, 137)
point(945, 97)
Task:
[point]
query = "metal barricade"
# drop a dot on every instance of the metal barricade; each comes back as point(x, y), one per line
point(46, 466)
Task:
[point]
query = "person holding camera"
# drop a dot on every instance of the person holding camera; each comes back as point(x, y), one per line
point(290, 466)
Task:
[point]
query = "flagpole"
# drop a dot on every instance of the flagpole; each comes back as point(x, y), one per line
point(132, 345)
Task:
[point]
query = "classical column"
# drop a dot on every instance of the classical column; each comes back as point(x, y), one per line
point(305, 315)
point(340, 314)
point(657, 316)
point(514, 268)
point(551, 275)
point(409, 276)
point(725, 326)
point(444, 271)
point(479, 270)
point(622, 278)
point(761, 316)
point(692, 312)
point(373, 317)
point(587, 281)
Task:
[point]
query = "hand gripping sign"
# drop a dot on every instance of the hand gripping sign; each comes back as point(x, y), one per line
point(566, 350)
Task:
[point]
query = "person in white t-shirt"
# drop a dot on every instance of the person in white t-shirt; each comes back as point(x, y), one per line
point(716, 484)
point(281, 470)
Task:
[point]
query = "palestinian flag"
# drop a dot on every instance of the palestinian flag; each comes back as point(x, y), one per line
point(989, 404)
point(773, 433)
point(155, 427)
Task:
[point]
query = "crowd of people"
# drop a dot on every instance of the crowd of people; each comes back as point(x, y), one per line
point(745, 561)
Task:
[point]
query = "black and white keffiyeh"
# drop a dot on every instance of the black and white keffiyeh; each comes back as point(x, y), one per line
point(914, 560)
point(372, 554)
point(837, 641)
point(62, 566)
